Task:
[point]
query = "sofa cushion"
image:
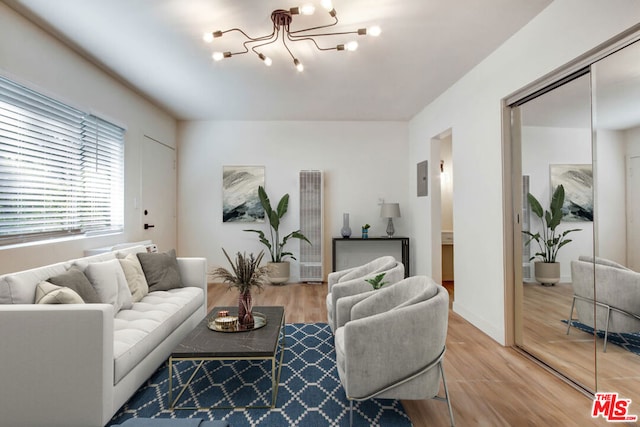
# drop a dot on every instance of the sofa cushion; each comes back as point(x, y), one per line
point(135, 277)
point(75, 279)
point(110, 283)
point(161, 270)
point(48, 293)
point(140, 329)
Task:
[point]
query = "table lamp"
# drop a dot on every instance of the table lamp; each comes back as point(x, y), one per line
point(390, 210)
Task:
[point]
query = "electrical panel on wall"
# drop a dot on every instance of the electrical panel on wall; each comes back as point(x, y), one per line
point(311, 225)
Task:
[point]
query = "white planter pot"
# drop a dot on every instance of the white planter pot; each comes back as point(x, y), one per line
point(278, 272)
point(547, 273)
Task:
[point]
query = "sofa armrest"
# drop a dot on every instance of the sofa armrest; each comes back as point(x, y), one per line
point(58, 360)
point(193, 271)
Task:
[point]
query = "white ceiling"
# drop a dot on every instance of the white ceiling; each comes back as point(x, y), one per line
point(156, 47)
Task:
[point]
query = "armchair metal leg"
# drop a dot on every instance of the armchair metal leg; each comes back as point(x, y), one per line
point(446, 395)
point(350, 413)
point(573, 303)
point(606, 330)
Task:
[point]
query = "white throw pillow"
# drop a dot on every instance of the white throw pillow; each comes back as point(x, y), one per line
point(48, 293)
point(110, 283)
point(135, 277)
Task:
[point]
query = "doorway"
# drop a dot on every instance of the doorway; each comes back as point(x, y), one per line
point(443, 260)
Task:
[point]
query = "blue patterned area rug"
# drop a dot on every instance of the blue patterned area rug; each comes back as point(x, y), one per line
point(309, 394)
point(628, 341)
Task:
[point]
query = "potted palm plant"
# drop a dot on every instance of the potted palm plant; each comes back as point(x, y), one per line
point(547, 270)
point(279, 267)
point(246, 274)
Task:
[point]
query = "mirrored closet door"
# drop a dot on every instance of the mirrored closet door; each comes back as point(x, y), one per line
point(582, 133)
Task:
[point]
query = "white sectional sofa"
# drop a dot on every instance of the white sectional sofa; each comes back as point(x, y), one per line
point(75, 364)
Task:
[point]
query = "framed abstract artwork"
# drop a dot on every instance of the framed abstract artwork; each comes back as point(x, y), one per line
point(578, 190)
point(240, 201)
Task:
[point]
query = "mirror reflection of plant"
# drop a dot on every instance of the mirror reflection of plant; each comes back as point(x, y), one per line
point(551, 240)
point(377, 282)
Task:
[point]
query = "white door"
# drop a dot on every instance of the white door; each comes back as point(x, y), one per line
point(633, 214)
point(158, 193)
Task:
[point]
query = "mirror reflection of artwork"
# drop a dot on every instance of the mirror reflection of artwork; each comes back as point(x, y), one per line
point(578, 189)
point(240, 201)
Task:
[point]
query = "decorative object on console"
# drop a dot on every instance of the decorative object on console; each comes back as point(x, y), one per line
point(365, 231)
point(282, 20)
point(345, 231)
point(390, 211)
point(279, 267)
point(247, 274)
point(547, 270)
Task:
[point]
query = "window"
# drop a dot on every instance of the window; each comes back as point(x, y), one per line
point(61, 170)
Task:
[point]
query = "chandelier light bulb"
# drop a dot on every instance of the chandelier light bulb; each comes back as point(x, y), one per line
point(217, 56)
point(374, 31)
point(298, 65)
point(351, 46)
point(267, 61)
point(307, 9)
point(207, 37)
point(327, 4)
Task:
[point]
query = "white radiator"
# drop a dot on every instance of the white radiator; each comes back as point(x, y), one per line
point(311, 225)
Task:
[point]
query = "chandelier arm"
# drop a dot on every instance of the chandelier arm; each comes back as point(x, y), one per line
point(253, 48)
point(252, 39)
point(302, 36)
point(284, 42)
point(315, 28)
point(297, 39)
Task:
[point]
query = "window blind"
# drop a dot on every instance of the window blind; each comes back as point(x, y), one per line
point(61, 169)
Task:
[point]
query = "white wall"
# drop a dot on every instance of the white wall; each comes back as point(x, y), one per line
point(544, 146)
point(610, 196)
point(362, 162)
point(31, 57)
point(471, 108)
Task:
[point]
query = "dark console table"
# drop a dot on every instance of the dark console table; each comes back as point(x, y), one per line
point(356, 251)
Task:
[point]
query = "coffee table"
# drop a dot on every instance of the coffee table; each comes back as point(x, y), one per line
point(203, 344)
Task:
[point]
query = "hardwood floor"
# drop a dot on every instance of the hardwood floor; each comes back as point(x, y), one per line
point(576, 354)
point(489, 385)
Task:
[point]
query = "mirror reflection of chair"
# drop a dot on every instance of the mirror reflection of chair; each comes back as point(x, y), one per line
point(352, 281)
point(617, 296)
point(394, 344)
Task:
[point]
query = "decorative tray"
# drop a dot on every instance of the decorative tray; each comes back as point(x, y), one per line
point(230, 323)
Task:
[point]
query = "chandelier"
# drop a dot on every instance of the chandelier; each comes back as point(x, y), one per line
point(281, 30)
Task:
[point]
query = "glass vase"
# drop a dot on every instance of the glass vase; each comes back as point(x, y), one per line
point(346, 230)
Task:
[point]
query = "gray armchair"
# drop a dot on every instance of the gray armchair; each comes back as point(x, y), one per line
point(394, 344)
point(617, 296)
point(353, 281)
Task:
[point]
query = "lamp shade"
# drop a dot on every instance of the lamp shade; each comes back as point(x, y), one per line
point(390, 210)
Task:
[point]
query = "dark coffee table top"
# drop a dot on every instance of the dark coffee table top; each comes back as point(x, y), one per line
point(202, 342)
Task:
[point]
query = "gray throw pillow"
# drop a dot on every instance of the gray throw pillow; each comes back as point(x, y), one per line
point(161, 270)
point(76, 280)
